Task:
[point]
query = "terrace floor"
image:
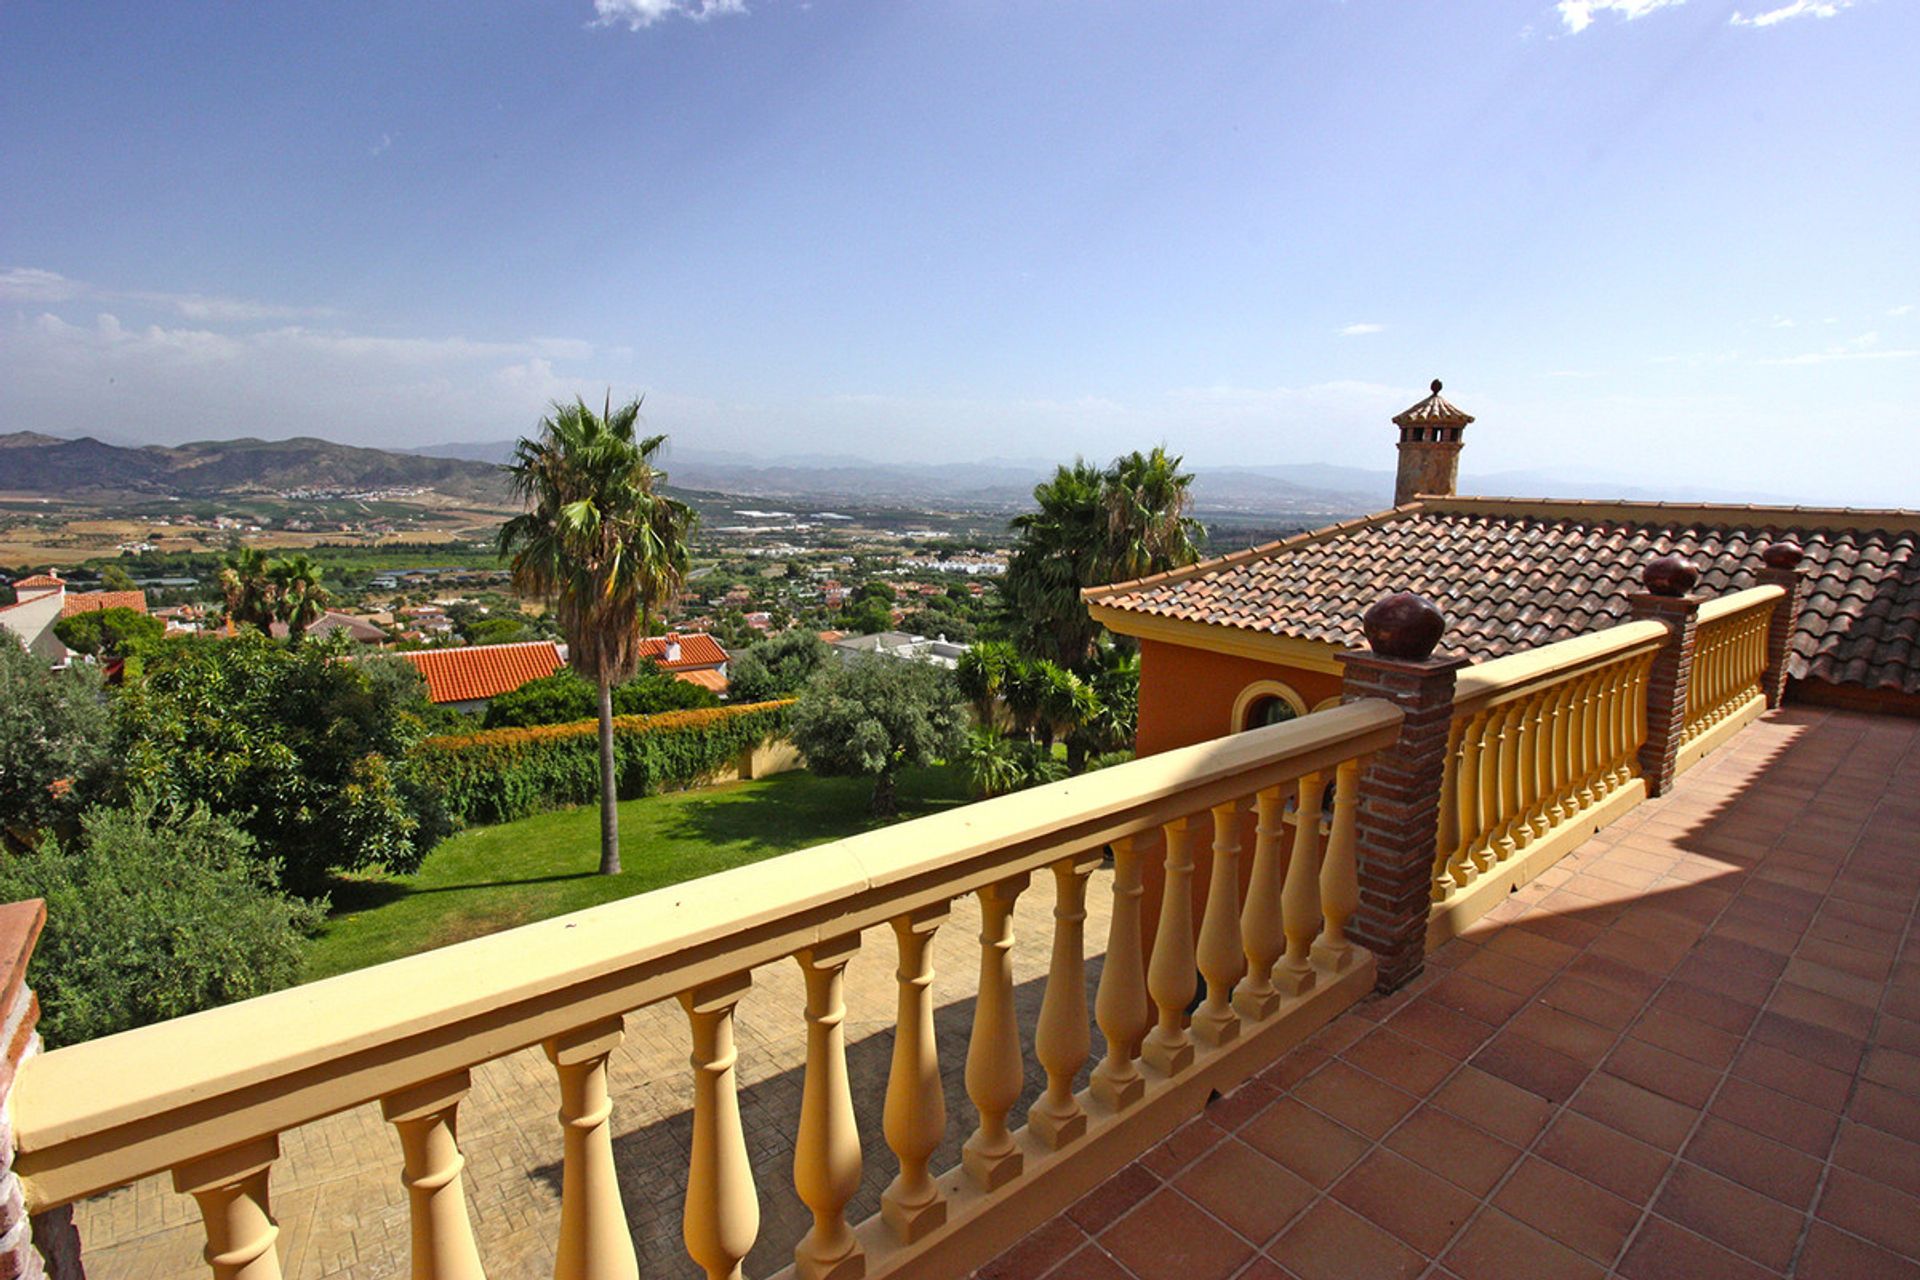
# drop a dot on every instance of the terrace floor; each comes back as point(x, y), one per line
point(1691, 1050)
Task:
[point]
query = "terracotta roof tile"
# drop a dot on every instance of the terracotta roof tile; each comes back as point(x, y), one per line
point(706, 677)
point(697, 649)
point(483, 670)
point(39, 580)
point(89, 601)
point(1513, 574)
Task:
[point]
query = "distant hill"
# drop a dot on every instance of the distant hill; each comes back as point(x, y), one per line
point(34, 463)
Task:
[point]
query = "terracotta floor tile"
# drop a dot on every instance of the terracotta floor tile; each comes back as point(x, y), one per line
point(1530, 1066)
point(1731, 1215)
point(1355, 1099)
point(1403, 1063)
point(1776, 1116)
point(1568, 1208)
point(1663, 1251)
point(1464, 1154)
point(1736, 984)
point(1506, 972)
point(1822, 1010)
point(1740, 1154)
point(1712, 1009)
point(1240, 1106)
point(1496, 1247)
point(1625, 1166)
point(1879, 1156)
point(1101, 1207)
point(1090, 1263)
point(1605, 971)
point(1585, 1042)
point(1440, 1028)
point(1523, 944)
point(1830, 1254)
point(1894, 1070)
point(1043, 1247)
point(1676, 1033)
point(1330, 1242)
point(1838, 983)
point(1295, 1067)
point(1413, 1205)
point(1245, 1190)
point(1464, 993)
point(1591, 1002)
point(1889, 1218)
point(1636, 1112)
point(1794, 1076)
point(1504, 1110)
point(1182, 1147)
point(1304, 1141)
point(1171, 1238)
point(1835, 1050)
point(1664, 1073)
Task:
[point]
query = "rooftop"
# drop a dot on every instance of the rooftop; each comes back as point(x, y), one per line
point(1513, 574)
point(1691, 1049)
point(483, 670)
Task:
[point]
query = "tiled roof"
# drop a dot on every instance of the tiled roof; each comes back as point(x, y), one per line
point(697, 649)
point(88, 601)
point(39, 580)
point(331, 621)
point(706, 677)
point(1435, 411)
point(483, 670)
point(1515, 574)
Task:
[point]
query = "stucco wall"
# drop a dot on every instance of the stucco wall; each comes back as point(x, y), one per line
point(1187, 695)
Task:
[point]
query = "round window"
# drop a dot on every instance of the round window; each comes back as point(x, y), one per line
point(1269, 710)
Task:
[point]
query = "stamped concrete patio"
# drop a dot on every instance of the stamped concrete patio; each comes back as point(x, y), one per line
point(1689, 1051)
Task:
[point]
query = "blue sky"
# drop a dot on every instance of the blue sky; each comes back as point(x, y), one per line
point(1670, 239)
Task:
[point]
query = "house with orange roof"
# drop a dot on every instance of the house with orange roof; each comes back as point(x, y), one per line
point(693, 656)
point(467, 678)
point(42, 599)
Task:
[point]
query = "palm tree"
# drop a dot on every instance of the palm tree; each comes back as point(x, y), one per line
point(605, 545)
point(247, 583)
point(982, 673)
point(1146, 499)
point(1057, 551)
point(299, 599)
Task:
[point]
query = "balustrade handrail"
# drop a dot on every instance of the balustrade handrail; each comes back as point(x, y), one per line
point(1739, 602)
point(1501, 680)
point(97, 1115)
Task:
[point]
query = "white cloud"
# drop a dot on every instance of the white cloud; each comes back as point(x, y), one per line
point(1904, 308)
point(1780, 322)
point(1360, 329)
point(35, 284)
point(1578, 15)
point(645, 13)
point(31, 284)
point(1796, 9)
point(386, 140)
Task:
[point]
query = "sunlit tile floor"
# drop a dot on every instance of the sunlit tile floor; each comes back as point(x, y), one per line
point(1689, 1051)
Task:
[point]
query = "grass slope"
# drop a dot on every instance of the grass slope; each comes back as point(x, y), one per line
point(492, 878)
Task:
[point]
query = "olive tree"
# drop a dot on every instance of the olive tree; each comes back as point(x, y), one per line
point(873, 716)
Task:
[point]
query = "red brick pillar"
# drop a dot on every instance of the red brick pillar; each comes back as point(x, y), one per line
point(1397, 825)
point(45, 1245)
point(1668, 581)
point(1781, 568)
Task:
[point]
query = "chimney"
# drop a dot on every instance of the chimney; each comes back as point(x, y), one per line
point(673, 646)
point(1429, 448)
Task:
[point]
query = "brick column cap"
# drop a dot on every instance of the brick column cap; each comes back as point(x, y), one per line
point(1369, 660)
point(1643, 603)
point(20, 924)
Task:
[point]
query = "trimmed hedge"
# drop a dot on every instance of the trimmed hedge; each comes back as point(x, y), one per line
point(498, 775)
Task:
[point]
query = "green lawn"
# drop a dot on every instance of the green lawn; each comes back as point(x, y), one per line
point(490, 878)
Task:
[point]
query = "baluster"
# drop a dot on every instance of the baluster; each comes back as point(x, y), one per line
point(1569, 710)
point(1619, 718)
point(426, 1117)
point(1475, 814)
point(1447, 842)
point(1521, 826)
point(826, 1153)
point(994, 1069)
point(1060, 1039)
point(1539, 755)
point(231, 1189)
point(915, 1119)
point(1593, 770)
point(723, 1210)
point(1222, 958)
point(1300, 898)
point(1170, 977)
point(594, 1240)
point(1121, 1008)
point(1504, 844)
point(1260, 925)
point(1339, 876)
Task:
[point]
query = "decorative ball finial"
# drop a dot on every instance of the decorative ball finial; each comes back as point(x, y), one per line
point(1670, 575)
point(1404, 626)
point(1784, 554)
point(1436, 386)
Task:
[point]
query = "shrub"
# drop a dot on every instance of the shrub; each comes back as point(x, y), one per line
point(564, 698)
point(55, 742)
point(873, 716)
point(151, 917)
point(112, 631)
point(498, 775)
point(778, 667)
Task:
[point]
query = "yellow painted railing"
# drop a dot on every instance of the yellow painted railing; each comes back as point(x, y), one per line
point(1540, 740)
point(208, 1096)
point(1729, 659)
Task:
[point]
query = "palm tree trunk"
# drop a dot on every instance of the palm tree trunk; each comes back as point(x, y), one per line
point(609, 791)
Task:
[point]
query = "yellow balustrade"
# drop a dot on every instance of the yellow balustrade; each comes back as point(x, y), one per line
point(1729, 661)
point(207, 1096)
point(1542, 748)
